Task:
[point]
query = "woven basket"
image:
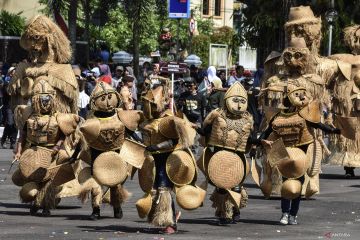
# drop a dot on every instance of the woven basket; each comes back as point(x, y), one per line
point(61, 174)
point(296, 165)
point(110, 169)
point(143, 205)
point(291, 189)
point(28, 192)
point(18, 179)
point(315, 155)
point(146, 174)
point(133, 153)
point(226, 169)
point(203, 161)
point(34, 163)
point(180, 167)
point(190, 197)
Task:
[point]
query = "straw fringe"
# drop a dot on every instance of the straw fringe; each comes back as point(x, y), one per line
point(222, 204)
point(161, 213)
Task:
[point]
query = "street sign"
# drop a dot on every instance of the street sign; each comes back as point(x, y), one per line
point(179, 8)
point(173, 67)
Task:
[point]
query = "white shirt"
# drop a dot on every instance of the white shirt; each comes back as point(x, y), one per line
point(84, 99)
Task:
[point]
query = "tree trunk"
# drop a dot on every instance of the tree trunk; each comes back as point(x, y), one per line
point(136, 40)
point(72, 18)
point(87, 11)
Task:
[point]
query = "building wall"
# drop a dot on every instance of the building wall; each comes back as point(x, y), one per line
point(226, 12)
point(29, 8)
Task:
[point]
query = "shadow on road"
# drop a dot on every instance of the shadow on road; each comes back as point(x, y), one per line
point(250, 185)
point(208, 221)
point(125, 229)
point(261, 197)
point(14, 205)
point(336, 176)
point(261, 221)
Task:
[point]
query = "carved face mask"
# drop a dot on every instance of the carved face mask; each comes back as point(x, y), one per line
point(236, 105)
point(38, 47)
point(299, 98)
point(43, 104)
point(295, 58)
point(107, 102)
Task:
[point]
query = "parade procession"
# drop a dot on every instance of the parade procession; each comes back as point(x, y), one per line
point(112, 150)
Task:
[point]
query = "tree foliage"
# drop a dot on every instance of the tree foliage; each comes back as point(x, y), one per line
point(11, 24)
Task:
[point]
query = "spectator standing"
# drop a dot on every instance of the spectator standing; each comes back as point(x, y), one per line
point(222, 76)
point(215, 97)
point(84, 99)
point(119, 71)
point(238, 77)
point(10, 130)
point(192, 103)
point(130, 72)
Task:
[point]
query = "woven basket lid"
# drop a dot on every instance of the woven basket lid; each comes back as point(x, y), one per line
point(226, 169)
point(28, 192)
point(18, 179)
point(301, 15)
point(291, 189)
point(167, 127)
point(296, 165)
point(143, 205)
point(109, 169)
point(146, 174)
point(34, 163)
point(133, 153)
point(190, 197)
point(61, 173)
point(180, 167)
point(315, 155)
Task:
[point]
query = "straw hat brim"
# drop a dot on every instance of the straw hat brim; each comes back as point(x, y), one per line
point(18, 179)
point(291, 189)
point(226, 169)
point(167, 127)
point(29, 191)
point(315, 155)
point(190, 197)
point(109, 169)
point(302, 21)
point(146, 174)
point(143, 205)
point(34, 162)
point(180, 167)
point(296, 165)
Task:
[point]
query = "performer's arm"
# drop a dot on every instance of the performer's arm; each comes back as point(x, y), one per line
point(163, 145)
point(324, 127)
point(133, 135)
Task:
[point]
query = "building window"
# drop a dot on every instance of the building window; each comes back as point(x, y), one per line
point(217, 8)
point(206, 7)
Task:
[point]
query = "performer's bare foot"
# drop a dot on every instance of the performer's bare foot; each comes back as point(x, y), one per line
point(169, 230)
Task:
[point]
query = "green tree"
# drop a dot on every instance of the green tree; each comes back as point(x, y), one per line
point(11, 24)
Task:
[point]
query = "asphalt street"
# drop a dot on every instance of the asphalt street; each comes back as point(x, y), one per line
point(333, 214)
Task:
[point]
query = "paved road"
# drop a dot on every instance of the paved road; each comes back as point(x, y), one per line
point(335, 214)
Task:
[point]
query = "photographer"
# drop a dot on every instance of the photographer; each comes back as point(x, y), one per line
point(192, 103)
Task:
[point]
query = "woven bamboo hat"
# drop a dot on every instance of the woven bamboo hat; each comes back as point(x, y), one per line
point(180, 167)
point(190, 197)
point(235, 198)
point(315, 156)
point(133, 153)
point(146, 174)
point(28, 192)
point(296, 165)
point(110, 169)
point(291, 189)
point(300, 15)
point(143, 205)
point(167, 127)
point(226, 169)
point(204, 160)
point(34, 163)
point(18, 179)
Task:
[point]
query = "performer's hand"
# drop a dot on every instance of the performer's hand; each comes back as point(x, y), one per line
point(252, 153)
point(17, 156)
point(55, 149)
point(266, 143)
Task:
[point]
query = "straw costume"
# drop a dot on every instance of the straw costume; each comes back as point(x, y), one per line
point(171, 166)
point(346, 107)
point(43, 156)
point(227, 131)
point(108, 150)
point(292, 148)
point(49, 51)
